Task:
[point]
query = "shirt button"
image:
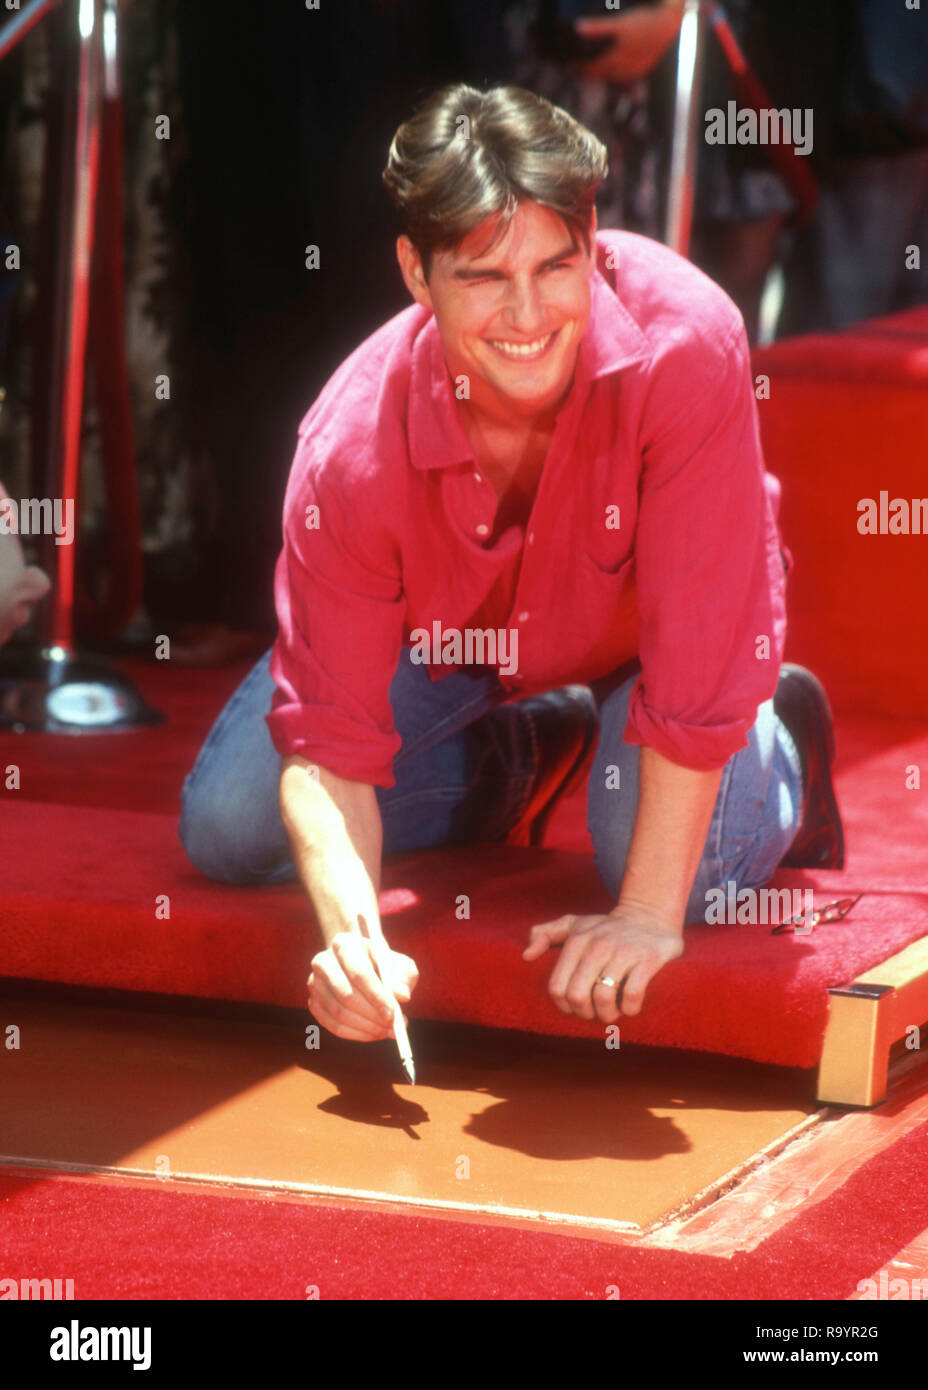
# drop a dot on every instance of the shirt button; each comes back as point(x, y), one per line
point(523, 616)
point(483, 529)
point(531, 537)
point(478, 477)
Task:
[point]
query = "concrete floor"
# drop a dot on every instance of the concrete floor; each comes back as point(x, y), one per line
point(500, 1122)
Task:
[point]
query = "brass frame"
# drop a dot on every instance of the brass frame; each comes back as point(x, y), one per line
point(865, 1019)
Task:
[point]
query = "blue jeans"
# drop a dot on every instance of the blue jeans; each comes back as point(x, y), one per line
point(465, 772)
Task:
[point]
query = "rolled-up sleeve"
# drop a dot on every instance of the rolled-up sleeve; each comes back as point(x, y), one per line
point(709, 573)
point(340, 610)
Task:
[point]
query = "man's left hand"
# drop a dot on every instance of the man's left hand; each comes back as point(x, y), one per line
point(629, 945)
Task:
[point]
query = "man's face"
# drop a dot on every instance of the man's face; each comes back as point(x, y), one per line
point(510, 319)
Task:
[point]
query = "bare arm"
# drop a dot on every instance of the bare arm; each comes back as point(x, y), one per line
point(336, 837)
point(675, 807)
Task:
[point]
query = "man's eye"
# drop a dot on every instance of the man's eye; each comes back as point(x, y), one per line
point(560, 265)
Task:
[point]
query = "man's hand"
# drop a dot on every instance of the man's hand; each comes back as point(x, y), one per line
point(21, 585)
point(347, 995)
point(629, 944)
point(640, 39)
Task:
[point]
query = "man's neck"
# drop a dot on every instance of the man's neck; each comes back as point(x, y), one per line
point(498, 416)
point(508, 450)
point(504, 434)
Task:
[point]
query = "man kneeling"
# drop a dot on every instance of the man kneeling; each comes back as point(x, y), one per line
point(557, 442)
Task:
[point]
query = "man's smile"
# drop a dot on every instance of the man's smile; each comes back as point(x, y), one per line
point(524, 352)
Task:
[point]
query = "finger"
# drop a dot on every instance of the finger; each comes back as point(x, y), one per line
point(606, 997)
point(562, 974)
point(342, 1006)
point(546, 934)
point(342, 1029)
point(638, 980)
point(352, 953)
point(589, 966)
point(340, 1018)
point(344, 1021)
point(342, 1002)
point(404, 975)
point(343, 1016)
point(339, 993)
point(391, 969)
point(339, 974)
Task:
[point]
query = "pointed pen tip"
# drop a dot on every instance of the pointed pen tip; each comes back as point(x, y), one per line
point(410, 1069)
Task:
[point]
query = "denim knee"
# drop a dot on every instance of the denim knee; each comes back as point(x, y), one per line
point(212, 837)
point(753, 822)
point(230, 824)
point(612, 797)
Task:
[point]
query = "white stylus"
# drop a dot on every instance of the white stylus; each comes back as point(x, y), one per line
point(378, 949)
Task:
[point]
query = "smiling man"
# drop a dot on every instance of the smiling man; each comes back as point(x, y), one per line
point(557, 439)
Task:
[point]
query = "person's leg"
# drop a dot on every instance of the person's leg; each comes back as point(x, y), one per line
point(738, 255)
point(756, 814)
point(849, 264)
point(230, 824)
point(467, 764)
point(464, 772)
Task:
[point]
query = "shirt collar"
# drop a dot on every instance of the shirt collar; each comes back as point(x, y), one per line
point(613, 340)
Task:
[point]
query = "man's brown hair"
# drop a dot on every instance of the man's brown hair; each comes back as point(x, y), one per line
point(468, 155)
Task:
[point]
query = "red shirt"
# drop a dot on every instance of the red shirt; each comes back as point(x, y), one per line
point(387, 521)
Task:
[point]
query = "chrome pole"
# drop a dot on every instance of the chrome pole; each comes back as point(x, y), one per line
point(690, 63)
point(53, 688)
point(71, 308)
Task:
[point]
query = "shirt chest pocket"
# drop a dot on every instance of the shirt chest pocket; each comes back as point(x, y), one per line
point(608, 595)
point(612, 561)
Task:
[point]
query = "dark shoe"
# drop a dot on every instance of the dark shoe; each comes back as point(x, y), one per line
point(802, 705)
point(565, 723)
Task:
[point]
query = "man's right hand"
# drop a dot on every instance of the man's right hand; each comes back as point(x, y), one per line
point(640, 39)
point(346, 994)
point(21, 586)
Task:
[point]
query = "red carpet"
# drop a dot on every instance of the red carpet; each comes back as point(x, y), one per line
point(128, 1241)
point(80, 894)
point(845, 421)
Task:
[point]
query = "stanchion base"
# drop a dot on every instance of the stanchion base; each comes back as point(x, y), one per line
point(54, 691)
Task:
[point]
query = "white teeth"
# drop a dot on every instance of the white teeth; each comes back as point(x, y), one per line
point(523, 349)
